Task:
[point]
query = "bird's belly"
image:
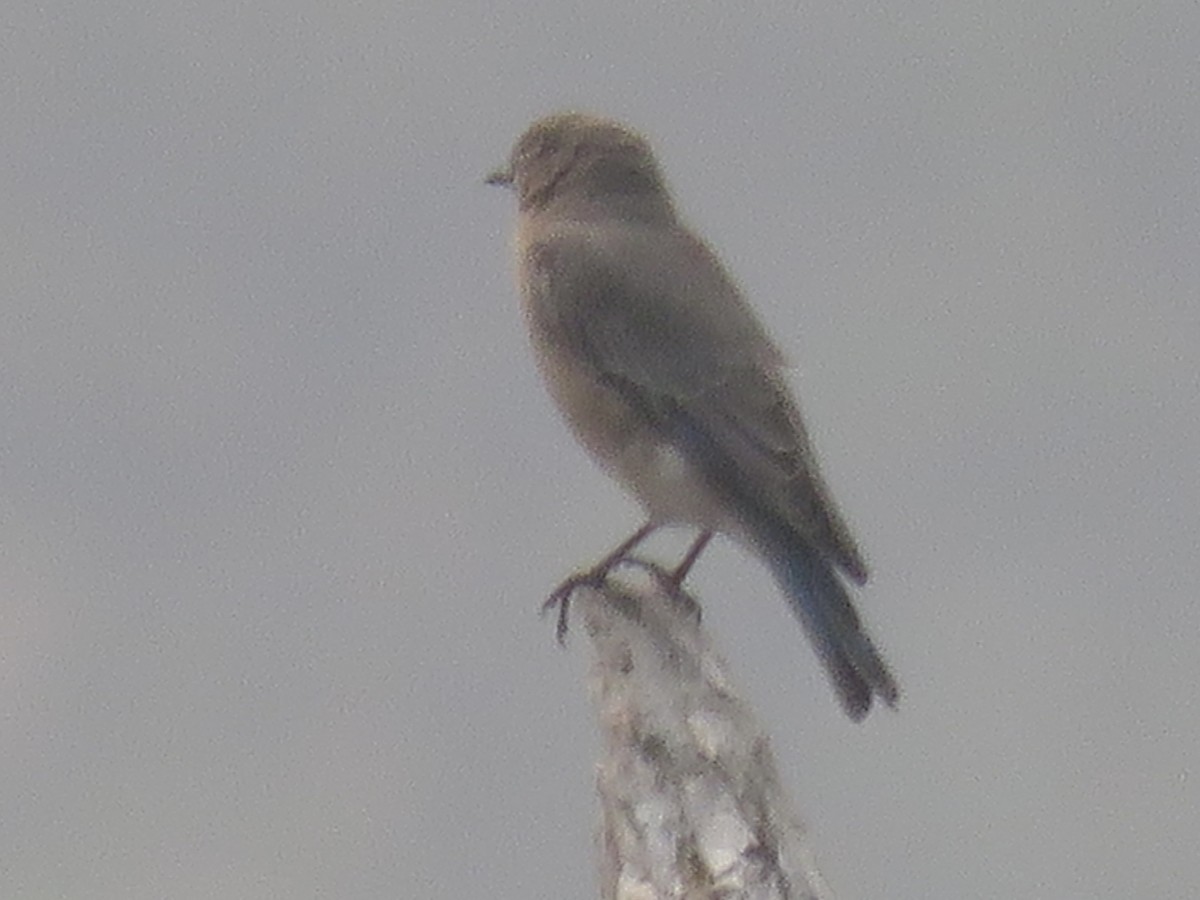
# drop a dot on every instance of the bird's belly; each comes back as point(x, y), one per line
point(631, 449)
point(670, 488)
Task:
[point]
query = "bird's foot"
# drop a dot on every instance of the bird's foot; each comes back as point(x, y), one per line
point(593, 578)
point(561, 596)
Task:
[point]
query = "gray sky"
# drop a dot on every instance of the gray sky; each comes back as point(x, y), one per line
point(280, 493)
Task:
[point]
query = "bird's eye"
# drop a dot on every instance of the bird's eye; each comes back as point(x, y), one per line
point(545, 147)
point(536, 151)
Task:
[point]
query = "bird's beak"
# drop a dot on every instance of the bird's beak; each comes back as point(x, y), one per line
point(502, 176)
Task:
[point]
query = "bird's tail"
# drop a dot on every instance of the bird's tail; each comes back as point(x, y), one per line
point(819, 600)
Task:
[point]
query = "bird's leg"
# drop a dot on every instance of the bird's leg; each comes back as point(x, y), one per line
point(685, 565)
point(594, 577)
point(672, 580)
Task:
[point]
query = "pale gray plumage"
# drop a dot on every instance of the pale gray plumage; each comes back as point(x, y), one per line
point(669, 380)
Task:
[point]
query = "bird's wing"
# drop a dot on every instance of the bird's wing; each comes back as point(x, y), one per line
point(655, 314)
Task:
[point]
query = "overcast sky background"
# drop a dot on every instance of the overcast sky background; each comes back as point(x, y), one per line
point(280, 493)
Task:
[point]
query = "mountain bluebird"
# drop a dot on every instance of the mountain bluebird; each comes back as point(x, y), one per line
point(669, 380)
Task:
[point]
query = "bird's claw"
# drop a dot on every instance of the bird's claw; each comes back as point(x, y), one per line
point(561, 596)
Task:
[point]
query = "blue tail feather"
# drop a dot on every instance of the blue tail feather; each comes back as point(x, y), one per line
point(808, 580)
point(819, 600)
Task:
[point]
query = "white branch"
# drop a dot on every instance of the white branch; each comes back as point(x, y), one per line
point(690, 797)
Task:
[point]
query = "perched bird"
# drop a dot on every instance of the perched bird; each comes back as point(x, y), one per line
point(669, 380)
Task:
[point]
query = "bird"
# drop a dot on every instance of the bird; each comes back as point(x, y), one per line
point(669, 380)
